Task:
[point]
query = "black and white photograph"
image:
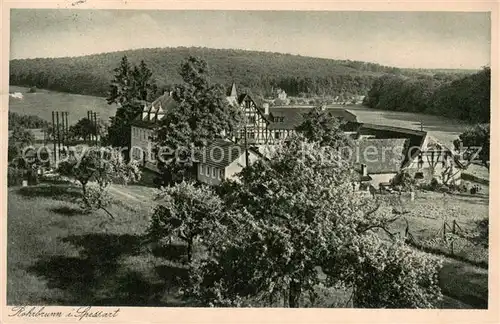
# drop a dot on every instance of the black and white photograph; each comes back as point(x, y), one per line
point(250, 159)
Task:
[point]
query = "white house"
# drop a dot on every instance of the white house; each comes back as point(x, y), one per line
point(222, 160)
point(383, 151)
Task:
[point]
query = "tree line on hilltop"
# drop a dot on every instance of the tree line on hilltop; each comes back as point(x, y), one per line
point(261, 72)
point(466, 98)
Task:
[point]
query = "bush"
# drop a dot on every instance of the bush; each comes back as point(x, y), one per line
point(395, 276)
point(32, 176)
point(32, 90)
point(15, 176)
point(434, 184)
point(404, 181)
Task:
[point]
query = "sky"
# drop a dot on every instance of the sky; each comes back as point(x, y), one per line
point(403, 39)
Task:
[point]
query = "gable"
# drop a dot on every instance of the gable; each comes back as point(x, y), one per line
point(249, 105)
point(380, 155)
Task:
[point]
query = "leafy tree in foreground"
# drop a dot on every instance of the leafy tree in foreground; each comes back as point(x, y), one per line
point(478, 136)
point(82, 129)
point(201, 116)
point(185, 211)
point(18, 140)
point(286, 218)
point(321, 126)
point(100, 167)
point(384, 274)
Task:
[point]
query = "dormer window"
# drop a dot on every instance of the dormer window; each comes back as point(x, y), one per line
point(279, 119)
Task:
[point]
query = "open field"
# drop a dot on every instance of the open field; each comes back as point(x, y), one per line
point(43, 102)
point(444, 129)
point(57, 255)
point(427, 214)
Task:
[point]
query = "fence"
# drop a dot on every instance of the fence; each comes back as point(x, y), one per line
point(451, 241)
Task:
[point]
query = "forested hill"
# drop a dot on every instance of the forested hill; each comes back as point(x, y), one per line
point(258, 71)
point(466, 98)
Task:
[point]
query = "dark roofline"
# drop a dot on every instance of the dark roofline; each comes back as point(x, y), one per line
point(395, 129)
point(144, 124)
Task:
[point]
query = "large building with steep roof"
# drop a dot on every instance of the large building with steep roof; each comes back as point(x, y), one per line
point(142, 130)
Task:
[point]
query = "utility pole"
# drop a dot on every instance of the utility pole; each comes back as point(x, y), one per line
point(96, 130)
point(58, 129)
point(63, 135)
point(67, 125)
point(54, 135)
point(90, 133)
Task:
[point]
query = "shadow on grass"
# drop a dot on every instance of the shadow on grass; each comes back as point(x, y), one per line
point(96, 277)
point(55, 181)
point(58, 192)
point(173, 276)
point(67, 211)
point(172, 252)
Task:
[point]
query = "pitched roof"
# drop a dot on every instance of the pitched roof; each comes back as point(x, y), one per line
point(257, 101)
point(153, 112)
point(294, 115)
point(231, 92)
point(221, 153)
point(380, 155)
point(415, 138)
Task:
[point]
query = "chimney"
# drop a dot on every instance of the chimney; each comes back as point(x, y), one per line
point(266, 108)
point(364, 171)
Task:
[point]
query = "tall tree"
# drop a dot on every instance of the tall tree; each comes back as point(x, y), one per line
point(185, 211)
point(287, 217)
point(321, 126)
point(82, 129)
point(202, 114)
point(129, 89)
point(477, 136)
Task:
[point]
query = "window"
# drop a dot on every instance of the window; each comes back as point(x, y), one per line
point(419, 175)
point(200, 168)
point(208, 171)
point(251, 135)
point(277, 135)
point(214, 170)
point(221, 174)
point(279, 119)
point(251, 119)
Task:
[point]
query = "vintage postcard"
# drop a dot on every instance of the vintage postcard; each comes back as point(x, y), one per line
point(249, 162)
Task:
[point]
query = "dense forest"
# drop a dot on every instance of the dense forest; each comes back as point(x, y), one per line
point(466, 98)
point(26, 121)
point(260, 72)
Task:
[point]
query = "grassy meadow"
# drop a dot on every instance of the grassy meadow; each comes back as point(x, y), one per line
point(59, 256)
point(43, 102)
